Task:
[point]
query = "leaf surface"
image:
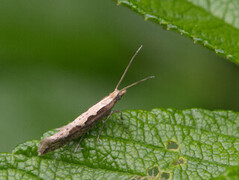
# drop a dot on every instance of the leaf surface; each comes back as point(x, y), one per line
point(162, 143)
point(231, 173)
point(211, 23)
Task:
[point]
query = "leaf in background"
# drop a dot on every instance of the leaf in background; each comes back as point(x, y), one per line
point(214, 24)
point(163, 143)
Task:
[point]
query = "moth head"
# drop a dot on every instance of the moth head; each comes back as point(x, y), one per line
point(117, 94)
point(120, 94)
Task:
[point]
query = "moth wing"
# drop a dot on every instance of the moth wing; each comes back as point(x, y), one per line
point(61, 128)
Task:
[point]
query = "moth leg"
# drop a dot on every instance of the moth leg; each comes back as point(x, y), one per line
point(108, 117)
point(121, 118)
point(110, 114)
point(78, 145)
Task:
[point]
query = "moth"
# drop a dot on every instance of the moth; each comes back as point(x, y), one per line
point(85, 121)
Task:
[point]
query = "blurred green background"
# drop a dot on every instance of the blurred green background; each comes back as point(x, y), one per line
point(57, 58)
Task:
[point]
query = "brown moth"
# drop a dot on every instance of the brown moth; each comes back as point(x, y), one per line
point(85, 121)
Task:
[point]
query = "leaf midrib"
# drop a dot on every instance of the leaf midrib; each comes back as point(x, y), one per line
point(77, 164)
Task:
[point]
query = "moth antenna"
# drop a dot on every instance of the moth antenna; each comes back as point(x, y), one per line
point(137, 82)
point(126, 69)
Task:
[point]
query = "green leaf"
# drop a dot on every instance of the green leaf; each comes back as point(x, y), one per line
point(213, 24)
point(162, 143)
point(231, 173)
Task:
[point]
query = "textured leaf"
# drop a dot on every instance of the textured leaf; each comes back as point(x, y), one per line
point(214, 24)
point(163, 143)
point(231, 173)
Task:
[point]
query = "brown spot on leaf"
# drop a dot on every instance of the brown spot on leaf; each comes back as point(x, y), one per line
point(135, 178)
point(153, 171)
point(165, 175)
point(179, 161)
point(172, 145)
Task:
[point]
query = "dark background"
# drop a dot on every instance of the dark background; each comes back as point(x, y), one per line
point(57, 58)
